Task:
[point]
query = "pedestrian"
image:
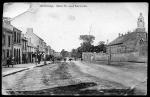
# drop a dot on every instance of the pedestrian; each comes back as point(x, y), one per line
point(39, 59)
point(53, 59)
point(33, 59)
point(12, 61)
point(8, 61)
point(36, 59)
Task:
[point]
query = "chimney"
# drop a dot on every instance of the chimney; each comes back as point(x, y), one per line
point(119, 35)
point(30, 30)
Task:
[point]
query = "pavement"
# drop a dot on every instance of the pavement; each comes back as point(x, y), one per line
point(20, 67)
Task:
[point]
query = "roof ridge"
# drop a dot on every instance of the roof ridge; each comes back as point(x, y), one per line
point(19, 15)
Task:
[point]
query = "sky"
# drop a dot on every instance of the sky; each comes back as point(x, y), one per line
point(61, 24)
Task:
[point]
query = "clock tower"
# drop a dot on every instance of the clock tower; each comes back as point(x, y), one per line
point(140, 24)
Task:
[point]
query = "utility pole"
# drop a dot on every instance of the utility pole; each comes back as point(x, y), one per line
point(90, 29)
point(109, 53)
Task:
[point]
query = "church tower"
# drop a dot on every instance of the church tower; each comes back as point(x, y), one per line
point(140, 24)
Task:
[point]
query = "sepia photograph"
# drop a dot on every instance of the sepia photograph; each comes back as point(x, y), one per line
point(74, 48)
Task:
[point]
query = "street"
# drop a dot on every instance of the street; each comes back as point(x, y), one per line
point(74, 48)
point(129, 75)
point(73, 77)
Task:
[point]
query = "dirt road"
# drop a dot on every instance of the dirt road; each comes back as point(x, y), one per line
point(66, 78)
point(127, 76)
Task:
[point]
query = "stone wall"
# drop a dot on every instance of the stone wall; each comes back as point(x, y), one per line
point(122, 57)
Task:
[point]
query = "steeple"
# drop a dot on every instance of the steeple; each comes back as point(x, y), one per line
point(140, 24)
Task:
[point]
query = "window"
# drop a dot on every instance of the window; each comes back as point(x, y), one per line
point(3, 40)
point(141, 41)
point(7, 53)
point(8, 41)
point(14, 36)
point(25, 46)
point(14, 52)
point(19, 37)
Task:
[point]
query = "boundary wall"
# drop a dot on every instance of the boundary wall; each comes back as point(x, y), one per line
point(122, 57)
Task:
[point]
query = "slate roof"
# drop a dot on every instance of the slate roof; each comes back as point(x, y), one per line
point(125, 38)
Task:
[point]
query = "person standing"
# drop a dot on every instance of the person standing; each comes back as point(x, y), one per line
point(12, 61)
point(36, 59)
point(39, 58)
point(8, 61)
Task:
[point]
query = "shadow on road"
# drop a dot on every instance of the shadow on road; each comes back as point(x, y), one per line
point(75, 90)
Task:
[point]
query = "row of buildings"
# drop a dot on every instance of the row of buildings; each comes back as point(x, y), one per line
point(21, 46)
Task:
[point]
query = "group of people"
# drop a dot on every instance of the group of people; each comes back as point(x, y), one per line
point(38, 59)
point(10, 61)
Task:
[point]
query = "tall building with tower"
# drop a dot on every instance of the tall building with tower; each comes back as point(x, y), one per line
point(136, 41)
point(140, 24)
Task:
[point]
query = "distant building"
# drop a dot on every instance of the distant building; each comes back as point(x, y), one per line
point(136, 41)
point(30, 50)
point(35, 43)
point(50, 51)
point(57, 54)
point(45, 48)
point(35, 40)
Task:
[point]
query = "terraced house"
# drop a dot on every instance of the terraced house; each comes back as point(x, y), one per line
point(7, 43)
point(17, 46)
point(24, 48)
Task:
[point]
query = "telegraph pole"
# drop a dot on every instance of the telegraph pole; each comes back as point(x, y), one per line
point(90, 29)
point(109, 53)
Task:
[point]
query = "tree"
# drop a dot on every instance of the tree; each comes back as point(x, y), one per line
point(101, 43)
point(86, 45)
point(87, 38)
point(101, 47)
point(64, 53)
point(74, 53)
